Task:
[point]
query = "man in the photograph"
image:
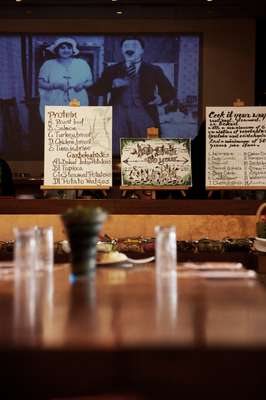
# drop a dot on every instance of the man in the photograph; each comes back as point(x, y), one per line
point(135, 88)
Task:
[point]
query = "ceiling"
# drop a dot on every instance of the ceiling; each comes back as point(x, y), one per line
point(133, 9)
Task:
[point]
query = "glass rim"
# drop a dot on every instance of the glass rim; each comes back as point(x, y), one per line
point(165, 228)
point(22, 230)
point(44, 228)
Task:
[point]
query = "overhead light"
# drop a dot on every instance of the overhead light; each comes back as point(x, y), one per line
point(114, 0)
point(18, 1)
point(119, 12)
point(209, 0)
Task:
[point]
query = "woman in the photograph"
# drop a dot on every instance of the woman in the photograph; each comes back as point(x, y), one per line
point(64, 78)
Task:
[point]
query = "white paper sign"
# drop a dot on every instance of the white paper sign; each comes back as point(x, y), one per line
point(156, 162)
point(78, 146)
point(236, 147)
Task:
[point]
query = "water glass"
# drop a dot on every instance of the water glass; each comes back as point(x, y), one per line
point(25, 251)
point(45, 249)
point(165, 250)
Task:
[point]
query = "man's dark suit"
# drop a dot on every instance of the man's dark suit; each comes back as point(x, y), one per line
point(6, 180)
point(151, 80)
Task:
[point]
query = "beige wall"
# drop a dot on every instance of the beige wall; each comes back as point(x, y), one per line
point(228, 53)
point(188, 227)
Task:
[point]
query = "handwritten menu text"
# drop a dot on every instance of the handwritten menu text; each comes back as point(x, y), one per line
point(236, 146)
point(156, 162)
point(78, 146)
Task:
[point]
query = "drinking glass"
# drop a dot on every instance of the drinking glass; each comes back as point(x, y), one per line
point(25, 251)
point(45, 249)
point(165, 249)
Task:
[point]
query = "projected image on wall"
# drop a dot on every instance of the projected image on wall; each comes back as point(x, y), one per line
point(149, 80)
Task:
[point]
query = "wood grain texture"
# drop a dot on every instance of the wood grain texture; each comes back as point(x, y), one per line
point(127, 206)
point(127, 331)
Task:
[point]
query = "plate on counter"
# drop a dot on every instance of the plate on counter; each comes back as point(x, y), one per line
point(110, 258)
point(260, 244)
point(115, 257)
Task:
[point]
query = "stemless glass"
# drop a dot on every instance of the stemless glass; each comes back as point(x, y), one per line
point(25, 251)
point(45, 249)
point(165, 249)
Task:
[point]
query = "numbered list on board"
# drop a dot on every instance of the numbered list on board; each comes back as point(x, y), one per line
point(236, 146)
point(78, 146)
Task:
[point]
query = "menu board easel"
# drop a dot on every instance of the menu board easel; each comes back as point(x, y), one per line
point(155, 164)
point(78, 148)
point(235, 148)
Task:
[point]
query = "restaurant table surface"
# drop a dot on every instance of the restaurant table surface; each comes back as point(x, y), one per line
point(125, 330)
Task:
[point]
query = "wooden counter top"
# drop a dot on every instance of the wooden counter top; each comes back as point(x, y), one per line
point(130, 206)
point(127, 332)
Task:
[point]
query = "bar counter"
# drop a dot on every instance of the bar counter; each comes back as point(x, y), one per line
point(194, 219)
point(125, 331)
point(133, 206)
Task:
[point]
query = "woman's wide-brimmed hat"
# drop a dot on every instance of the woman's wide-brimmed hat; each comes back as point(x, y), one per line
point(62, 40)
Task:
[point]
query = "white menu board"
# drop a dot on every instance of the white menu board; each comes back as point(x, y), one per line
point(235, 147)
point(78, 147)
point(156, 162)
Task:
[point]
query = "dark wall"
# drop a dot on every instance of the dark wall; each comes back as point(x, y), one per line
point(260, 81)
